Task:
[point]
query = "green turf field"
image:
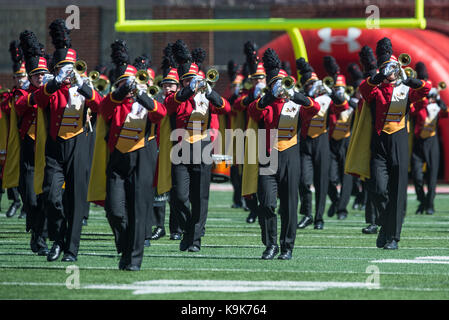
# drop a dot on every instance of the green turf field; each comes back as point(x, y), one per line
point(338, 262)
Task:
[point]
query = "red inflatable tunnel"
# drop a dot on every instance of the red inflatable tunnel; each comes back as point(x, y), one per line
point(427, 46)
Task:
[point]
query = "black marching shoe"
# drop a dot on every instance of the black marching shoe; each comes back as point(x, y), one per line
point(22, 214)
point(175, 236)
point(68, 257)
point(158, 233)
point(132, 267)
point(420, 209)
point(391, 245)
point(84, 222)
point(251, 218)
point(13, 209)
point(319, 225)
point(43, 251)
point(270, 252)
point(381, 240)
point(342, 216)
point(54, 252)
point(183, 246)
point(305, 221)
point(285, 254)
point(331, 210)
point(371, 229)
point(430, 211)
point(194, 248)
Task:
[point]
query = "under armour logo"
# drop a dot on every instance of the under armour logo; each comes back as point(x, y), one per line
point(326, 35)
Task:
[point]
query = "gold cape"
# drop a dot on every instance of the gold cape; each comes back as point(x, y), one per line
point(250, 171)
point(10, 141)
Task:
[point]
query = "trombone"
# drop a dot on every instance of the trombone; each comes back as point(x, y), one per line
point(349, 90)
point(158, 80)
point(404, 59)
point(410, 72)
point(212, 77)
point(80, 66)
point(94, 76)
point(101, 84)
point(142, 77)
point(441, 86)
point(153, 91)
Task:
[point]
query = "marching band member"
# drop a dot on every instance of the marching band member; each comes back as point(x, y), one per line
point(194, 106)
point(314, 148)
point(36, 67)
point(392, 92)
point(426, 149)
point(287, 111)
point(250, 93)
point(65, 100)
point(339, 135)
point(131, 115)
point(10, 169)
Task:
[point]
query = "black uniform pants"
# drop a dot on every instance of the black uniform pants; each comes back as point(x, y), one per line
point(389, 174)
point(14, 194)
point(129, 197)
point(426, 151)
point(150, 216)
point(314, 170)
point(284, 183)
point(32, 204)
point(66, 161)
point(236, 181)
point(338, 149)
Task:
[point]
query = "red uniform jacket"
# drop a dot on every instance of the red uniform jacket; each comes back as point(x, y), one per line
point(271, 113)
point(57, 103)
point(382, 95)
point(419, 112)
point(117, 111)
point(25, 110)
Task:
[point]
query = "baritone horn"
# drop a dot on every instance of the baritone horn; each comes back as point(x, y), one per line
point(287, 83)
point(349, 90)
point(404, 59)
point(153, 90)
point(212, 75)
point(94, 75)
point(441, 85)
point(101, 85)
point(410, 72)
point(328, 81)
point(80, 66)
point(142, 77)
point(158, 80)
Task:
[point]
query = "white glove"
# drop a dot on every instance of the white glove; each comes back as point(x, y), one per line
point(24, 85)
point(208, 89)
point(141, 88)
point(276, 89)
point(47, 77)
point(64, 73)
point(194, 82)
point(236, 90)
point(291, 92)
point(258, 89)
point(77, 79)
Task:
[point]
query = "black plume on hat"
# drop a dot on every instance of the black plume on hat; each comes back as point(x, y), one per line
point(168, 61)
point(120, 59)
point(182, 56)
point(286, 66)
point(16, 55)
point(367, 59)
point(384, 50)
point(60, 34)
point(250, 51)
point(32, 50)
point(271, 63)
point(304, 69)
point(232, 70)
point(142, 62)
point(198, 56)
point(421, 71)
point(331, 66)
point(355, 74)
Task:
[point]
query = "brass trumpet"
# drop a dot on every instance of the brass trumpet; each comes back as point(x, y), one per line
point(349, 90)
point(212, 75)
point(404, 59)
point(80, 66)
point(101, 85)
point(142, 77)
point(94, 76)
point(441, 85)
point(153, 90)
point(410, 72)
point(328, 81)
point(287, 83)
